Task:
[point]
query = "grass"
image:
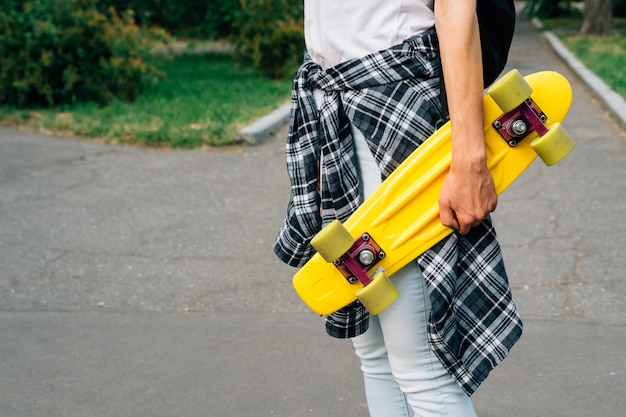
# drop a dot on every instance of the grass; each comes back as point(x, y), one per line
point(604, 56)
point(203, 101)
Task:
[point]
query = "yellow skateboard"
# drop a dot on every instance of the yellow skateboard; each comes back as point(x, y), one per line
point(400, 220)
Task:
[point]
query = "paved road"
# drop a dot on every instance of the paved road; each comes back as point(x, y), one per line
point(140, 282)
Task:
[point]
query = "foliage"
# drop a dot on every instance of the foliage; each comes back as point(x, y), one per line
point(220, 18)
point(54, 52)
point(605, 56)
point(619, 8)
point(207, 18)
point(270, 36)
point(202, 101)
point(551, 8)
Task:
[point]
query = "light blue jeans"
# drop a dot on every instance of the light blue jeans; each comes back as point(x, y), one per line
point(402, 375)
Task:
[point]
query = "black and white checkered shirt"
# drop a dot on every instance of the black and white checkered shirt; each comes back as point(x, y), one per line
point(392, 97)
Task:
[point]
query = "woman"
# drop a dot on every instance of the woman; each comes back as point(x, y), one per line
point(366, 96)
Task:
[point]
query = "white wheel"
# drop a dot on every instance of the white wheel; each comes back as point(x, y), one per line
point(510, 90)
point(379, 294)
point(333, 241)
point(554, 145)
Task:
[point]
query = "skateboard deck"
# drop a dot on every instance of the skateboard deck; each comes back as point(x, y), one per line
point(400, 220)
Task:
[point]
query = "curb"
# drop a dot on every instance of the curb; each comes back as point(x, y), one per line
point(609, 98)
point(256, 132)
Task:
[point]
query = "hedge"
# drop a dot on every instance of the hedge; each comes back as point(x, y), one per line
point(55, 52)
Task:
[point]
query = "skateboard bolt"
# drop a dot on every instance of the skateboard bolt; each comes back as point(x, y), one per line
point(519, 127)
point(366, 257)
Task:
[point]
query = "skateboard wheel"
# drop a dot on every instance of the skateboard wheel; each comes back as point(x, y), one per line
point(379, 294)
point(509, 91)
point(554, 145)
point(333, 241)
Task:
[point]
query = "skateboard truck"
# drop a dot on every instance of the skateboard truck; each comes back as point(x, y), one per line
point(515, 125)
point(361, 257)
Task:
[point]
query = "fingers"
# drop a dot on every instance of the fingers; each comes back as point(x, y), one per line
point(466, 226)
point(460, 221)
point(467, 221)
point(447, 217)
point(452, 219)
point(465, 203)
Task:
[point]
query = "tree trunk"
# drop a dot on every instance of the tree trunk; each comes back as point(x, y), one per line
point(597, 18)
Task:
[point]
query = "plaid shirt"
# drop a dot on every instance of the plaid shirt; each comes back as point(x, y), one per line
point(392, 96)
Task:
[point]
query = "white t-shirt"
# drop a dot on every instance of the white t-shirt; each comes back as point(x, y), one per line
point(340, 30)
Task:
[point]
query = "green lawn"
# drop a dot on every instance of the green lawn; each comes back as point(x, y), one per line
point(604, 56)
point(203, 101)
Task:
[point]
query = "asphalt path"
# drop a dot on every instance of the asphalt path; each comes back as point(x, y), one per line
point(141, 282)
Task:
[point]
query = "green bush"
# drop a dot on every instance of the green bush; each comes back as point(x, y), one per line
point(207, 18)
point(566, 8)
point(270, 36)
point(551, 8)
point(219, 19)
point(55, 52)
point(619, 8)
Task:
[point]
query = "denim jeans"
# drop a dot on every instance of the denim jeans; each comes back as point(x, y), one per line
point(402, 375)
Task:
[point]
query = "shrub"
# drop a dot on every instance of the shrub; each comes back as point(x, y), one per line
point(270, 36)
point(219, 19)
point(56, 52)
point(550, 9)
point(619, 8)
point(208, 18)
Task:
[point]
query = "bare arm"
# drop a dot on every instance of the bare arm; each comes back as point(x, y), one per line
point(468, 194)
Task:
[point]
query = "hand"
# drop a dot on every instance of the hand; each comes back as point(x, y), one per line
point(467, 197)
